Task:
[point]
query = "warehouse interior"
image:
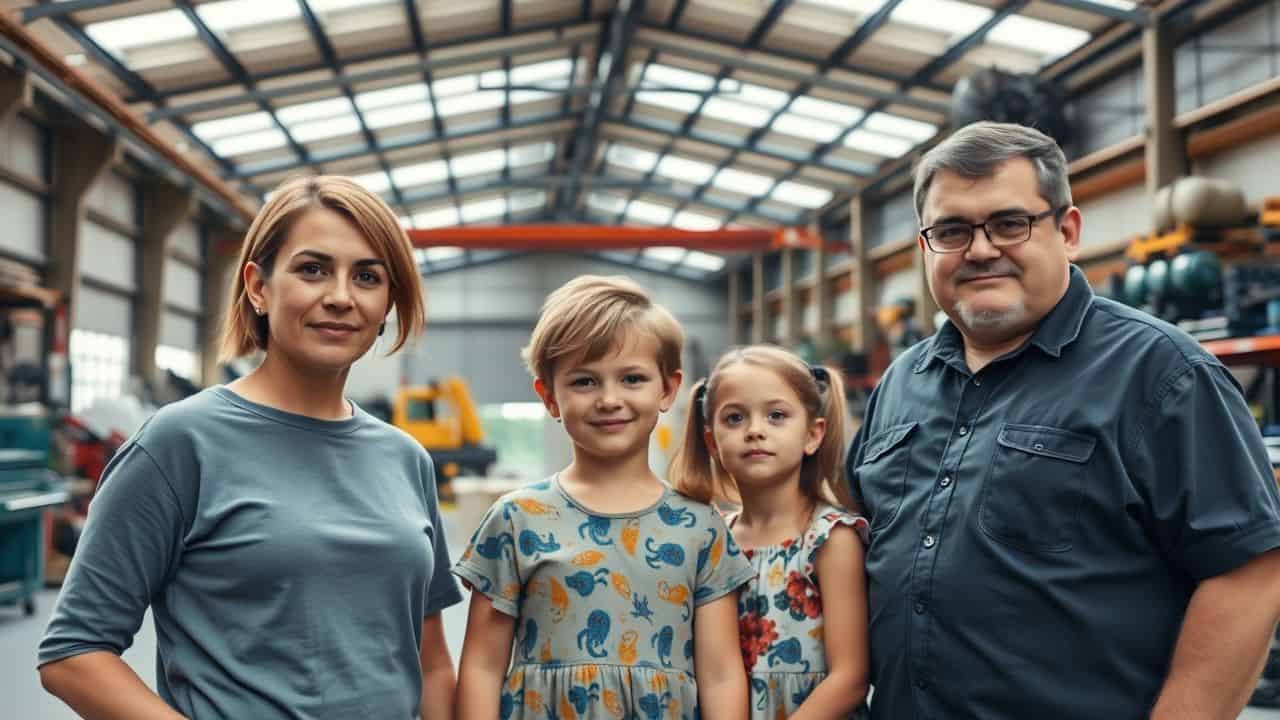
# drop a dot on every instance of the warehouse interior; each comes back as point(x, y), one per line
point(747, 161)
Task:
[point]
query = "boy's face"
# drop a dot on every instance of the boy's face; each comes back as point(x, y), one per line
point(610, 405)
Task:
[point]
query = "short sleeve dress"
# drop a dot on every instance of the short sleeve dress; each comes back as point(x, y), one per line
point(603, 603)
point(780, 617)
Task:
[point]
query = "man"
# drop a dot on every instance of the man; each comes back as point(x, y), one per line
point(1073, 515)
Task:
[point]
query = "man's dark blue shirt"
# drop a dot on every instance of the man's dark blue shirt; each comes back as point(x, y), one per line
point(1038, 527)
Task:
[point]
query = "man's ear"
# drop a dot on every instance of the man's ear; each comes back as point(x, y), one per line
point(670, 386)
point(1071, 227)
point(548, 400)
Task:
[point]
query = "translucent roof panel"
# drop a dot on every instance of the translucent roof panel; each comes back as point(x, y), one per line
point(736, 112)
point(420, 173)
point(318, 110)
point(704, 261)
point(233, 125)
point(631, 158)
point(229, 15)
point(328, 6)
point(607, 203)
point(743, 182)
point(806, 127)
point(902, 127)
point(550, 73)
point(376, 182)
point(1048, 40)
point(648, 212)
point(665, 253)
point(477, 210)
point(952, 18)
point(858, 7)
point(689, 220)
point(440, 217)
point(825, 110)
point(123, 34)
point(795, 193)
point(527, 200)
point(760, 95)
point(532, 154)
point(398, 95)
point(477, 163)
point(685, 170)
point(321, 129)
point(402, 115)
point(878, 143)
point(250, 142)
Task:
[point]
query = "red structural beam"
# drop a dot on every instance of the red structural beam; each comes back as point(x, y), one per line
point(610, 237)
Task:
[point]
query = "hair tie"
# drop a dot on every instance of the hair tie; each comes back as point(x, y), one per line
point(700, 398)
point(820, 375)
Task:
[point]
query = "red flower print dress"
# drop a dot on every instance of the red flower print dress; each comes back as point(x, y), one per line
point(780, 617)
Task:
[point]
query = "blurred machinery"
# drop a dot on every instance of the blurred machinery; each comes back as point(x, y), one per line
point(442, 417)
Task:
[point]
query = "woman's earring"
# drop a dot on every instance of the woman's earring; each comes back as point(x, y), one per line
point(257, 309)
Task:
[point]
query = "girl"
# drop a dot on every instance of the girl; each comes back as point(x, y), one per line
point(619, 594)
point(767, 430)
point(288, 542)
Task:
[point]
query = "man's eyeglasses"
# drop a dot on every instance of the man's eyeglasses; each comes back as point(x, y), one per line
point(1003, 231)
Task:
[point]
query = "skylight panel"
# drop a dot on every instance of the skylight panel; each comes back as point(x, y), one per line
point(685, 170)
point(660, 74)
point(235, 125)
point(420, 174)
point(469, 103)
point(321, 129)
point(1046, 39)
point(743, 182)
point(1122, 4)
point(478, 163)
point(632, 158)
point(763, 96)
point(859, 7)
point(826, 110)
point(528, 200)
point(806, 127)
point(457, 85)
point(482, 209)
point(402, 115)
point(375, 182)
point(531, 154)
point(902, 127)
point(551, 73)
point(665, 254)
point(680, 102)
point(327, 6)
point(441, 254)
point(949, 17)
point(649, 212)
point(689, 220)
point(318, 110)
point(392, 96)
point(440, 217)
point(249, 142)
point(807, 196)
point(704, 261)
point(878, 143)
point(607, 203)
point(127, 33)
point(229, 15)
point(736, 112)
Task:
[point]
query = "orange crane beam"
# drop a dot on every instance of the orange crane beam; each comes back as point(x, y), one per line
point(611, 237)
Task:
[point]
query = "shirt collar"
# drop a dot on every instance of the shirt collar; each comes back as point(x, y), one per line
point(1056, 330)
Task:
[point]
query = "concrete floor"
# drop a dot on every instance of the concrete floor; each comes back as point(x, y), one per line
point(22, 698)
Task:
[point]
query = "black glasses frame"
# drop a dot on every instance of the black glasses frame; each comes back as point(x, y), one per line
point(986, 228)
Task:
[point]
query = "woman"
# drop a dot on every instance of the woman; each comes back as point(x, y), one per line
point(288, 543)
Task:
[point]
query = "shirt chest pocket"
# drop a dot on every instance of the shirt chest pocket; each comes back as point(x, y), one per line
point(882, 474)
point(1033, 490)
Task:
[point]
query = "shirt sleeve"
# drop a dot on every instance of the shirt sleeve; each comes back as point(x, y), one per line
point(1205, 472)
point(488, 565)
point(131, 543)
point(442, 589)
point(722, 568)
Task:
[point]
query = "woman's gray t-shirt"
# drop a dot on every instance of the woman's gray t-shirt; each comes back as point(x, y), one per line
point(289, 562)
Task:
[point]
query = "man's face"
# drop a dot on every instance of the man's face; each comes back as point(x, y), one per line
point(998, 293)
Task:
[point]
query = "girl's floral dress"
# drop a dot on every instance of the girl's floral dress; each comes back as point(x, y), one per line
point(603, 603)
point(780, 617)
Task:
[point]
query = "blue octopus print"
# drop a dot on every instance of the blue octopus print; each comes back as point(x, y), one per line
point(531, 543)
point(597, 528)
point(593, 637)
point(493, 546)
point(579, 696)
point(669, 553)
point(640, 609)
point(760, 689)
point(788, 651)
point(676, 517)
point(662, 641)
point(798, 697)
point(705, 553)
point(585, 582)
point(653, 705)
point(529, 641)
point(507, 704)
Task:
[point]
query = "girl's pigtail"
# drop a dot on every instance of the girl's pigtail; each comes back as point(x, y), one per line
point(692, 473)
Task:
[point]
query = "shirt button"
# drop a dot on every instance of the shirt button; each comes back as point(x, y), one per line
point(964, 430)
point(922, 683)
point(977, 381)
point(919, 608)
point(930, 541)
point(945, 481)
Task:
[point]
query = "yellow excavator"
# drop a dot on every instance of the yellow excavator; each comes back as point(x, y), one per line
point(442, 416)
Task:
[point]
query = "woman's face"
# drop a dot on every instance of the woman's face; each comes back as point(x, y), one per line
point(328, 292)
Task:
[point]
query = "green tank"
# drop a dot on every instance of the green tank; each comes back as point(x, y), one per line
point(1157, 281)
point(1134, 291)
point(1196, 276)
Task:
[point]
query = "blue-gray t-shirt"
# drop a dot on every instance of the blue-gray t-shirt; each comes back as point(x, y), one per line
point(289, 562)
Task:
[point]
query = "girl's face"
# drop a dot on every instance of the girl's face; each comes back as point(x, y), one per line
point(759, 428)
point(327, 294)
point(610, 405)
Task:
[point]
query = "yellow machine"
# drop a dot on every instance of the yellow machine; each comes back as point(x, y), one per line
point(442, 416)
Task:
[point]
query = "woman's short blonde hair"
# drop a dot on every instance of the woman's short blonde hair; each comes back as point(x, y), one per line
point(244, 331)
point(590, 315)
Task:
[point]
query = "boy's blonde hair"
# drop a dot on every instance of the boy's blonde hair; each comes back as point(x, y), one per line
point(244, 331)
point(590, 315)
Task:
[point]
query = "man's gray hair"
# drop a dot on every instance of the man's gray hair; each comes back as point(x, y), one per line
point(974, 151)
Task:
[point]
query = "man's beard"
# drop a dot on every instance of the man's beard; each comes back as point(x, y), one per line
point(986, 321)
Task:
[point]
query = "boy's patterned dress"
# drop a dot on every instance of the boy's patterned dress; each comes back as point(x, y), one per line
point(780, 617)
point(603, 603)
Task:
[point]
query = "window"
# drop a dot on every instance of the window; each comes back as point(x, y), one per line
point(180, 361)
point(99, 366)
